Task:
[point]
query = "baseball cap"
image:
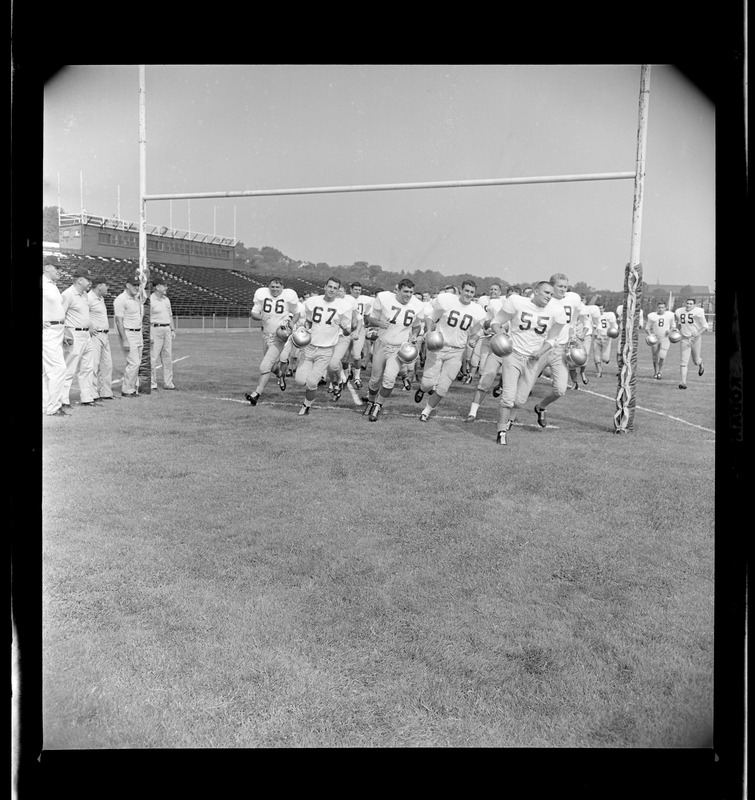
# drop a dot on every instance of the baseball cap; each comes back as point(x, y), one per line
point(133, 280)
point(99, 279)
point(82, 273)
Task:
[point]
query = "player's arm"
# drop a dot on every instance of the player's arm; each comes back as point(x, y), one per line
point(550, 339)
point(500, 319)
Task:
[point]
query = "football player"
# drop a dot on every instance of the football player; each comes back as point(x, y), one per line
point(336, 371)
point(460, 321)
point(534, 325)
point(327, 317)
point(692, 325)
point(601, 342)
point(274, 306)
point(573, 307)
point(660, 322)
point(364, 304)
point(398, 316)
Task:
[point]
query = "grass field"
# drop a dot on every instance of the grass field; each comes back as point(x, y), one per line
point(221, 576)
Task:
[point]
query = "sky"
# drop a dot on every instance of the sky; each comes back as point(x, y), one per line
point(230, 128)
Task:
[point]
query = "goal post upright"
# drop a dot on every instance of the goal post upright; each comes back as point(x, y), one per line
point(630, 321)
point(145, 367)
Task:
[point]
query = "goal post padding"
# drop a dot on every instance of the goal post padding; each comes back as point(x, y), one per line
point(627, 356)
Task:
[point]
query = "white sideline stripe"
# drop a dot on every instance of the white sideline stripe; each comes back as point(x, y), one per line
point(159, 366)
point(651, 411)
point(332, 406)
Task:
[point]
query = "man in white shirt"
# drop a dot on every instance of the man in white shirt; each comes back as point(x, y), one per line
point(79, 354)
point(692, 325)
point(601, 343)
point(128, 309)
point(53, 334)
point(161, 334)
point(102, 359)
point(364, 306)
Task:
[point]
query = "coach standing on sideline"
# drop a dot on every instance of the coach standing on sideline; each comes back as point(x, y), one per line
point(102, 358)
point(79, 354)
point(161, 334)
point(128, 309)
point(53, 330)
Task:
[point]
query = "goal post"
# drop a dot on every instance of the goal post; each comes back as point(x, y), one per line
point(625, 398)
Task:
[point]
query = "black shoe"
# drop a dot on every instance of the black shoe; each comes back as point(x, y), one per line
point(424, 417)
point(407, 385)
point(701, 370)
point(471, 418)
point(59, 413)
point(418, 395)
point(282, 383)
point(584, 378)
point(576, 385)
point(108, 397)
point(304, 410)
point(368, 405)
point(376, 409)
point(501, 437)
point(682, 385)
point(658, 376)
point(498, 391)
point(89, 403)
point(128, 394)
point(358, 384)
point(252, 398)
point(540, 416)
point(337, 391)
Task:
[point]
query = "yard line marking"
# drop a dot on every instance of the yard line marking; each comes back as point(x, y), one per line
point(354, 394)
point(651, 411)
point(159, 366)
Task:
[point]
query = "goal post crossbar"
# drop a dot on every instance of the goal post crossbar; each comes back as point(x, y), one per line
point(377, 187)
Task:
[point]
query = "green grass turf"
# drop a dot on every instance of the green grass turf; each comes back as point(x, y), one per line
point(217, 575)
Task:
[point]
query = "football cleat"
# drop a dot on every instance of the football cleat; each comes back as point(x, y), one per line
point(682, 385)
point(418, 395)
point(584, 378)
point(337, 391)
point(498, 390)
point(501, 437)
point(252, 398)
point(424, 417)
point(358, 384)
point(282, 383)
point(541, 421)
point(304, 410)
point(367, 407)
point(658, 376)
point(467, 378)
point(471, 418)
point(376, 409)
point(576, 385)
point(701, 369)
point(407, 385)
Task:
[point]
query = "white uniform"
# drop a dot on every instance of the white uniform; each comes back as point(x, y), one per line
point(573, 307)
point(691, 324)
point(161, 339)
point(601, 339)
point(102, 359)
point(79, 355)
point(660, 325)
point(456, 321)
point(401, 318)
point(528, 330)
point(53, 359)
point(274, 312)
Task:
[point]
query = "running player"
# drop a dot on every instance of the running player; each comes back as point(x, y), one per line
point(460, 321)
point(274, 307)
point(660, 322)
point(534, 324)
point(398, 315)
point(601, 342)
point(692, 325)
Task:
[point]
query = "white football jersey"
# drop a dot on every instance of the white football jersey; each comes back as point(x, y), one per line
point(364, 304)
point(494, 306)
point(691, 322)
point(400, 317)
point(275, 311)
point(457, 321)
point(572, 304)
point(605, 321)
point(327, 318)
point(530, 323)
point(660, 324)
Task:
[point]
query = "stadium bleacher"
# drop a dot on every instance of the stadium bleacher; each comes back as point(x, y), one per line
point(194, 291)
